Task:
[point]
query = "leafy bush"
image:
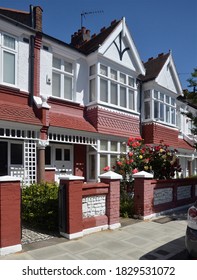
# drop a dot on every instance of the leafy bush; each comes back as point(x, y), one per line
point(40, 206)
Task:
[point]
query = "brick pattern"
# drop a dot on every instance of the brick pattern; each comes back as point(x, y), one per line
point(113, 123)
point(153, 133)
point(10, 211)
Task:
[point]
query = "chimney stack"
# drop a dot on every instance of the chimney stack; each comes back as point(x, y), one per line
point(81, 37)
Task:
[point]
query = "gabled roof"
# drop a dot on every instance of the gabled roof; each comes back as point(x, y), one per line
point(96, 40)
point(154, 66)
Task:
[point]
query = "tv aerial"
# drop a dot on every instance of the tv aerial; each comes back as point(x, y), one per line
point(84, 14)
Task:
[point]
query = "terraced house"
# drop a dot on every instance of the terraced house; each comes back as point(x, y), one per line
point(68, 108)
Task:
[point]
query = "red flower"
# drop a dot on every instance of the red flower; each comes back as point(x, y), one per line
point(134, 170)
point(106, 168)
point(130, 154)
point(119, 163)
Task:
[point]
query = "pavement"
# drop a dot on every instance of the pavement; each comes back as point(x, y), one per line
point(160, 238)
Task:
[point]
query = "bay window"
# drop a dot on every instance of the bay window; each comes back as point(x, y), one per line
point(62, 79)
point(116, 88)
point(159, 106)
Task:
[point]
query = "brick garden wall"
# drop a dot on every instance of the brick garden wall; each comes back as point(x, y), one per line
point(153, 197)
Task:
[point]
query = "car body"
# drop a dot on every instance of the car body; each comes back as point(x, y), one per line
point(191, 231)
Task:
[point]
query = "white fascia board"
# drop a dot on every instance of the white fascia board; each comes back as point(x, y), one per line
point(123, 27)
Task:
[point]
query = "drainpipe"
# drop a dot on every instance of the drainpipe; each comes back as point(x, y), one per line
point(31, 70)
point(140, 103)
point(32, 15)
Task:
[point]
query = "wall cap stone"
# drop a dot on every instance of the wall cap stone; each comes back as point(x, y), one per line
point(111, 175)
point(71, 178)
point(142, 174)
point(9, 179)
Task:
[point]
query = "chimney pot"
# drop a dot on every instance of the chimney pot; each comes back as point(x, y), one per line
point(160, 54)
point(102, 29)
point(151, 58)
point(113, 22)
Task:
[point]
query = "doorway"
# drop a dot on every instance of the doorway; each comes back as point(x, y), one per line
point(3, 158)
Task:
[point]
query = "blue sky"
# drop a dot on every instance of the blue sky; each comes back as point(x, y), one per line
point(155, 25)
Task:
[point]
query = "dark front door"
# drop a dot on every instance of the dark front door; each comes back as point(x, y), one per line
point(3, 158)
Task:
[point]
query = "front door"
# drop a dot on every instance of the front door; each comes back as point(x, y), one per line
point(64, 159)
point(3, 158)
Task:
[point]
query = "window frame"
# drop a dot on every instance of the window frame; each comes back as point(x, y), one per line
point(13, 51)
point(63, 74)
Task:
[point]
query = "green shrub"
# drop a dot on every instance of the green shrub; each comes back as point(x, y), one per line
point(40, 206)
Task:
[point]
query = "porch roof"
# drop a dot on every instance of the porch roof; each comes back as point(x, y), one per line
point(18, 113)
point(182, 144)
point(70, 122)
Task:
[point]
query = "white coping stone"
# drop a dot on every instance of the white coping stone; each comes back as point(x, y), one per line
point(111, 175)
point(10, 249)
point(115, 226)
point(71, 178)
point(9, 179)
point(142, 174)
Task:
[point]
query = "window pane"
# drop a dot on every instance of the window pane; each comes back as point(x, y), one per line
point(122, 96)
point(8, 68)
point(92, 90)
point(103, 145)
point(122, 78)
point(58, 154)
point(173, 101)
point(147, 110)
point(16, 153)
point(172, 116)
point(123, 148)
point(156, 93)
point(156, 109)
point(56, 63)
point(56, 84)
point(161, 96)
point(67, 67)
point(113, 74)
point(167, 99)
point(103, 163)
point(131, 99)
point(48, 155)
point(103, 70)
point(103, 90)
point(66, 154)
point(114, 146)
point(161, 111)
point(9, 42)
point(131, 81)
point(67, 88)
point(167, 114)
point(114, 94)
point(113, 160)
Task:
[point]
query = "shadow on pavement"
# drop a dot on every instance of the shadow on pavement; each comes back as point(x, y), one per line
point(169, 251)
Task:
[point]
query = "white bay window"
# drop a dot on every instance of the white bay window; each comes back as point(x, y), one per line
point(159, 106)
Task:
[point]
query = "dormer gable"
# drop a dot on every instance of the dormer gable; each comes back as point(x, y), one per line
point(163, 71)
point(113, 42)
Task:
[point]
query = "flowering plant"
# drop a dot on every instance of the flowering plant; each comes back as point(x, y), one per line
point(159, 160)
